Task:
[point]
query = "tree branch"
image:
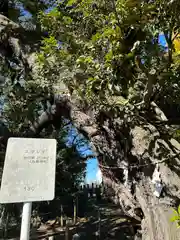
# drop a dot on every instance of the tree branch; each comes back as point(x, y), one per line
point(7, 23)
point(175, 36)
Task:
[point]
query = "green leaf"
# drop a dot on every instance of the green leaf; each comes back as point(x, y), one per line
point(109, 56)
point(175, 212)
point(178, 225)
point(97, 66)
point(174, 218)
point(67, 20)
point(71, 2)
point(54, 13)
point(179, 209)
point(96, 37)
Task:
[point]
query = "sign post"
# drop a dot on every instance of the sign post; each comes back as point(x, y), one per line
point(28, 175)
point(25, 223)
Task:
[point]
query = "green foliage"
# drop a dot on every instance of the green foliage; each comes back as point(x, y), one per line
point(176, 135)
point(104, 44)
point(176, 217)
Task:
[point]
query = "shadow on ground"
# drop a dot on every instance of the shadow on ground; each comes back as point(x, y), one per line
point(102, 221)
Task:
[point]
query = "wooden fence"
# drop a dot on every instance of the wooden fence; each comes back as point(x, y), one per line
point(92, 190)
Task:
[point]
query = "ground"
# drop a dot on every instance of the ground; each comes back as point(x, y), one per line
point(111, 223)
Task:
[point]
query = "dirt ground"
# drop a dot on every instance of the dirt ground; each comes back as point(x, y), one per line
point(104, 221)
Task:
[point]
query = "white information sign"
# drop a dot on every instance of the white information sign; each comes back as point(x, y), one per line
point(29, 170)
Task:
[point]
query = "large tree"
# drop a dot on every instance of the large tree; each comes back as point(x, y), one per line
point(102, 68)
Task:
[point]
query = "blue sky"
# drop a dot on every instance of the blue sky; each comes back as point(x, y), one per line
point(162, 40)
point(85, 150)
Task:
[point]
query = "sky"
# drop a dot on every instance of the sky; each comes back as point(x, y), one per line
point(162, 40)
point(93, 173)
